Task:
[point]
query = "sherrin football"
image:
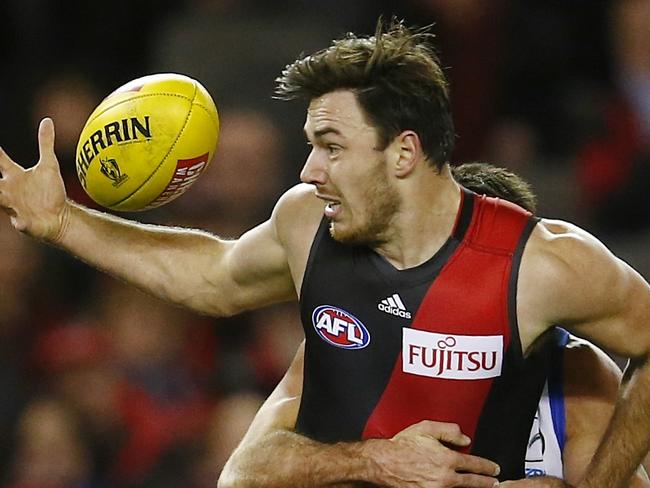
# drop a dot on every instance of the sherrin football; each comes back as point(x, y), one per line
point(147, 142)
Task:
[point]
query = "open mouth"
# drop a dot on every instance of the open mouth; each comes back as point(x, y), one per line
point(332, 206)
point(332, 209)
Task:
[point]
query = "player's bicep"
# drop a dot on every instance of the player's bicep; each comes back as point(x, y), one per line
point(258, 269)
point(618, 314)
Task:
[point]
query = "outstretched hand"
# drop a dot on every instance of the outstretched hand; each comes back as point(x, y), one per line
point(416, 457)
point(35, 198)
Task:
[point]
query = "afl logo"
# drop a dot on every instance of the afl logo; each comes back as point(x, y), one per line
point(339, 328)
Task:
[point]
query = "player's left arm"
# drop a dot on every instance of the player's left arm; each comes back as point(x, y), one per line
point(569, 277)
point(249, 464)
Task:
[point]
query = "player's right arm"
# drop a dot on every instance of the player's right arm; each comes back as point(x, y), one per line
point(272, 455)
point(188, 267)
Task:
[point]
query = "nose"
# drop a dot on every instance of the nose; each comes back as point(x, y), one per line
point(314, 171)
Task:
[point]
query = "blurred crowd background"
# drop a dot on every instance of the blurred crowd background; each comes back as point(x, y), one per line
point(102, 386)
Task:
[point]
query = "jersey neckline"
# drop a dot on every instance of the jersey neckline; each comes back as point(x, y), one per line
point(434, 264)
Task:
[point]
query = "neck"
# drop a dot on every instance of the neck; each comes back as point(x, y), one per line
point(425, 220)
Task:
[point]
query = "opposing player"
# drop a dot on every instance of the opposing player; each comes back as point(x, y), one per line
point(573, 412)
point(479, 280)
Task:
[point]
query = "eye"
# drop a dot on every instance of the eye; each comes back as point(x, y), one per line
point(333, 149)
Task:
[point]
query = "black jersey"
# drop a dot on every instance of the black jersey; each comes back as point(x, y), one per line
point(387, 348)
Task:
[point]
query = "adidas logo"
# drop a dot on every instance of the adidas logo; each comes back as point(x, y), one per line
point(394, 306)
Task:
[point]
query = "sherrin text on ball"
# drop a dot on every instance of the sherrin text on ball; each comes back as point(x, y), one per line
point(147, 142)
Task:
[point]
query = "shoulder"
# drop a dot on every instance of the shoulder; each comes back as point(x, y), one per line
point(295, 220)
point(298, 201)
point(570, 272)
point(297, 212)
point(566, 247)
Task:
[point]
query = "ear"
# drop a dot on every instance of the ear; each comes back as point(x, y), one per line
point(406, 152)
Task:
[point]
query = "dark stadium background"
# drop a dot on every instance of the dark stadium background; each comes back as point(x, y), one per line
point(101, 386)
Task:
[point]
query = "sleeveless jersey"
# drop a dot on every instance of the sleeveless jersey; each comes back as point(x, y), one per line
point(387, 348)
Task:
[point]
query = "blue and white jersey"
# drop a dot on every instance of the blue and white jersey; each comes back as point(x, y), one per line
point(548, 433)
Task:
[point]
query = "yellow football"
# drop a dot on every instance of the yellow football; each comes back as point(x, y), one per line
point(147, 142)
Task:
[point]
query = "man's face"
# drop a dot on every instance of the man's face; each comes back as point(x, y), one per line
point(349, 171)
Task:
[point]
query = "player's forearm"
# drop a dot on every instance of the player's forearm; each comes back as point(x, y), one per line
point(169, 263)
point(284, 458)
point(627, 439)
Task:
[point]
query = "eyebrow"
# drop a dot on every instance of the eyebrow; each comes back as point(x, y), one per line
point(327, 130)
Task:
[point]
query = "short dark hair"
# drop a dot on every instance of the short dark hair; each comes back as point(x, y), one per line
point(396, 77)
point(486, 179)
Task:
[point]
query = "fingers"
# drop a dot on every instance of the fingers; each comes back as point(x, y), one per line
point(6, 164)
point(443, 431)
point(473, 464)
point(520, 483)
point(46, 141)
point(476, 481)
point(45, 146)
